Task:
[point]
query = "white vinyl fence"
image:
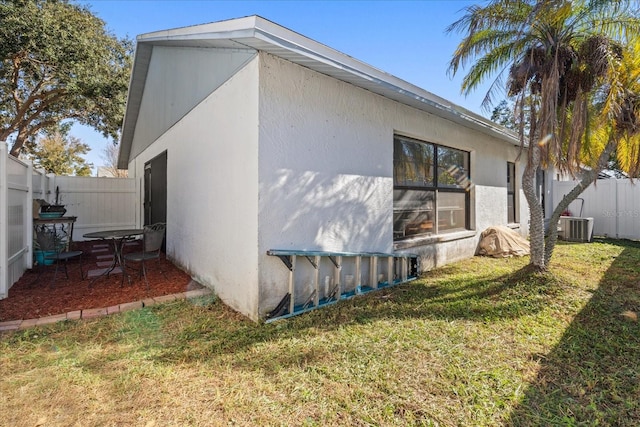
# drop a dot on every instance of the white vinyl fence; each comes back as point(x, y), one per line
point(614, 205)
point(15, 219)
point(98, 204)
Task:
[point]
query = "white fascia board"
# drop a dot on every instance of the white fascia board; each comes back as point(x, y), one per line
point(137, 80)
point(241, 27)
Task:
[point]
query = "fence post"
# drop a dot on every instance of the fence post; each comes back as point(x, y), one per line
point(28, 217)
point(617, 213)
point(44, 183)
point(51, 187)
point(4, 226)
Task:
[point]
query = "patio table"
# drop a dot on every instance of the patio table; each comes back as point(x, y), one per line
point(117, 238)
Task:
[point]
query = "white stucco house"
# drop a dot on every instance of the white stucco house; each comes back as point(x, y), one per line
point(249, 139)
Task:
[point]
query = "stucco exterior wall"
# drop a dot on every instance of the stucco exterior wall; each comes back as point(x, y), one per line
point(212, 193)
point(281, 157)
point(178, 79)
point(326, 171)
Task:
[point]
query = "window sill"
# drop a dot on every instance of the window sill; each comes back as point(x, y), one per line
point(428, 240)
point(514, 225)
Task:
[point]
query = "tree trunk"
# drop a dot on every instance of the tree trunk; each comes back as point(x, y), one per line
point(18, 143)
point(536, 215)
point(587, 177)
point(16, 148)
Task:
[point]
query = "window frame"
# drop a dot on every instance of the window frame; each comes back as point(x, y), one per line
point(512, 217)
point(435, 188)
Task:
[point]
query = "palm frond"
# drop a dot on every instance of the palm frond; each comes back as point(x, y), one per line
point(567, 57)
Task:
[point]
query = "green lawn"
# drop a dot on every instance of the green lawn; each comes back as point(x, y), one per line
point(478, 343)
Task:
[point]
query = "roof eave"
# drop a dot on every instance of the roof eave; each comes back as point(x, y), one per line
point(260, 34)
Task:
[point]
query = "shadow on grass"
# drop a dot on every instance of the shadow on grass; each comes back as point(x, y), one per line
point(473, 298)
point(467, 297)
point(592, 377)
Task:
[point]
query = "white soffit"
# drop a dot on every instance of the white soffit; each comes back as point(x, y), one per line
point(257, 33)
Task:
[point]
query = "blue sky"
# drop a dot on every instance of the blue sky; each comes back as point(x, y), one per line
point(403, 38)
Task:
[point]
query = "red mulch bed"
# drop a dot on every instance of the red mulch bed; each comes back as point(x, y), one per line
point(33, 296)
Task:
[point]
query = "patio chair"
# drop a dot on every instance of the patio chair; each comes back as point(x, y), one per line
point(62, 257)
point(151, 245)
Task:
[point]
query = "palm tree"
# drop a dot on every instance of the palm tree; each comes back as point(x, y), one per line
point(612, 127)
point(561, 59)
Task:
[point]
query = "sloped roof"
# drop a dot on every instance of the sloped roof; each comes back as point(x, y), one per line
point(257, 33)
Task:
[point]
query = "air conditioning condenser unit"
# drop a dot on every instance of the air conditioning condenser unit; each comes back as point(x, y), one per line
point(575, 229)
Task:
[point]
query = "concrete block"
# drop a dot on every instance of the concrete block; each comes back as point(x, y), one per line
point(165, 298)
point(11, 325)
point(113, 309)
point(93, 313)
point(148, 302)
point(51, 319)
point(130, 306)
point(198, 293)
point(74, 315)
point(29, 323)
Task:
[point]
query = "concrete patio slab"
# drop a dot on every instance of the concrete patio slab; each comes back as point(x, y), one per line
point(99, 272)
point(104, 264)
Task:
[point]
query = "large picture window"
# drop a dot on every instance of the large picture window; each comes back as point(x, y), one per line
point(429, 194)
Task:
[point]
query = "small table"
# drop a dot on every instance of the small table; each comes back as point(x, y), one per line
point(62, 232)
point(65, 224)
point(118, 238)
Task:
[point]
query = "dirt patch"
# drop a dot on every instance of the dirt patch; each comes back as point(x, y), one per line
point(34, 295)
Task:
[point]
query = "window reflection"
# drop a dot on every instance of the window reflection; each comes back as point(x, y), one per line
point(429, 188)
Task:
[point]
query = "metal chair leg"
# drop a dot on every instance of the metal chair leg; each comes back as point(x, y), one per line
point(66, 268)
point(52, 284)
point(55, 273)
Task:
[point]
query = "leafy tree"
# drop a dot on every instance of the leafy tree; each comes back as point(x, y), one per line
point(510, 114)
point(110, 156)
point(503, 115)
point(564, 61)
point(58, 62)
point(60, 154)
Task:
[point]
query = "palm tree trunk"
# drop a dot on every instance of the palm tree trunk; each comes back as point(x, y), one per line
point(536, 215)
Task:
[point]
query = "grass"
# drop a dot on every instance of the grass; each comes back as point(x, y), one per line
point(478, 343)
